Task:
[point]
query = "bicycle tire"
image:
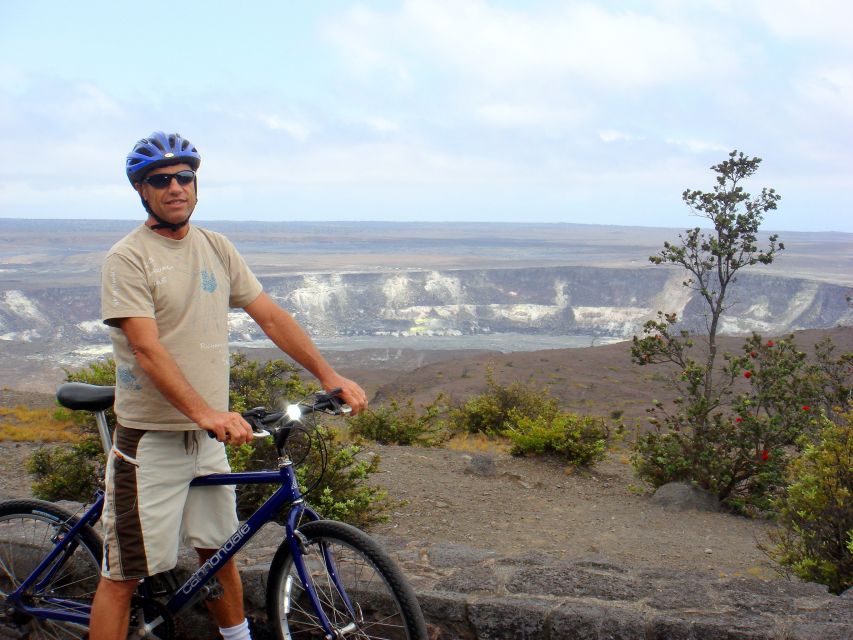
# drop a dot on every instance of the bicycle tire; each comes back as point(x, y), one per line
point(27, 529)
point(386, 606)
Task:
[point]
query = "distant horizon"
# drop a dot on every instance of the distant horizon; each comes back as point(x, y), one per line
point(436, 223)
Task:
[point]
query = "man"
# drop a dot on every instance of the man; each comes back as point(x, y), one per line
point(166, 291)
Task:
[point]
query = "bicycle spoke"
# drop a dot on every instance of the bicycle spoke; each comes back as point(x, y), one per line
point(358, 588)
point(9, 573)
point(29, 531)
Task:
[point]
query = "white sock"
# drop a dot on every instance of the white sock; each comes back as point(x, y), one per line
point(237, 632)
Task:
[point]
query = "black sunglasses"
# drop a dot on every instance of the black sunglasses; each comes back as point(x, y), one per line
point(163, 180)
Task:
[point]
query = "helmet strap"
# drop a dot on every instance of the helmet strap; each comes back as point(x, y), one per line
point(171, 226)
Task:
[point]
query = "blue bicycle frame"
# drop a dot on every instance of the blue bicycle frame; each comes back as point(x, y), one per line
point(52, 563)
point(185, 595)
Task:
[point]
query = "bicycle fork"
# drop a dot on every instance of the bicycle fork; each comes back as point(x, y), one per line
point(298, 549)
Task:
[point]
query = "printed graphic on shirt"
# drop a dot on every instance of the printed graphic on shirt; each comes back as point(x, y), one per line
point(197, 288)
point(114, 288)
point(159, 273)
point(126, 379)
point(208, 281)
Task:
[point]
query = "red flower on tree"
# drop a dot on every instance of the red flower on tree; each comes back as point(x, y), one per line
point(770, 343)
point(807, 407)
point(765, 455)
point(738, 419)
point(747, 374)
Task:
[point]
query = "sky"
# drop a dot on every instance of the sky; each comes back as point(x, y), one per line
point(592, 112)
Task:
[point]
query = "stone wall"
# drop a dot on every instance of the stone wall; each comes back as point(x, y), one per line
point(471, 593)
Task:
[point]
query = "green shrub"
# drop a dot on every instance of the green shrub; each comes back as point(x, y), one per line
point(394, 423)
point(815, 538)
point(99, 372)
point(579, 440)
point(489, 412)
point(340, 493)
point(67, 473)
point(264, 384)
point(738, 442)
point(75, 473)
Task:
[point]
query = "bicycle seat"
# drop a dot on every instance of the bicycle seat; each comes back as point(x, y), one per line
point(90, 397)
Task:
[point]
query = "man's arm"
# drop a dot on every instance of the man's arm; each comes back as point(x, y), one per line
point(158, 363)
point(288, 336)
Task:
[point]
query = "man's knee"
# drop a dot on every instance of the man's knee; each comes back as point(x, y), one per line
point(113, 596)
point(117, 588)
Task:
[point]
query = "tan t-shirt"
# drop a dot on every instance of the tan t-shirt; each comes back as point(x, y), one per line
point(187, 286)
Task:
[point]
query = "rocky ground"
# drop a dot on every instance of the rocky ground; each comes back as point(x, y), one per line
point(513, 505)
point(510, 505)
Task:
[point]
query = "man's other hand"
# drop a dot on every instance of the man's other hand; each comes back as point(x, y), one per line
point(351, 392)
point(227, 426)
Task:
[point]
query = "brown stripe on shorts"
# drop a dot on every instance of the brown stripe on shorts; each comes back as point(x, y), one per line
point(128, 528)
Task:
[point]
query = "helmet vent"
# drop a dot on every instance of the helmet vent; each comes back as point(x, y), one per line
point(158, 150)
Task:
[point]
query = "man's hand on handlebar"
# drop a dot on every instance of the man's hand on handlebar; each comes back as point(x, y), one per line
point(227, 426)
point(351, 393)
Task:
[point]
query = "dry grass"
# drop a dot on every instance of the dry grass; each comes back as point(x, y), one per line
point(478, 443)
point(22, 424)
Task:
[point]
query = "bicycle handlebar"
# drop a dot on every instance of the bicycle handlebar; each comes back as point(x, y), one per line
point(326, 402)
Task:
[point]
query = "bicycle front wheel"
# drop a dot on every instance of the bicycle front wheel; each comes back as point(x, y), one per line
point(29, 529)
point(379, 602)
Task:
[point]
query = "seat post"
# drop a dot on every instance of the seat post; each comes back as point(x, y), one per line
point(104, 431)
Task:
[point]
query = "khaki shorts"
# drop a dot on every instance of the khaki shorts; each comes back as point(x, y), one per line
point(150, 506)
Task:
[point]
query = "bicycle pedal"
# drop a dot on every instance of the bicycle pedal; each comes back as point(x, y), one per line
point(212, 590)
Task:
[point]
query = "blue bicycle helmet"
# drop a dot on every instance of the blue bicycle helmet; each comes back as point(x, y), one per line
point(160, 150)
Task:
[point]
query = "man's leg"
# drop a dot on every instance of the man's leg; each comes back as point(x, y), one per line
point(209, 519)
point(111, 609)
point(227, 610)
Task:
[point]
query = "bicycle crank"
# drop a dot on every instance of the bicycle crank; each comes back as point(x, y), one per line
point(150, 618)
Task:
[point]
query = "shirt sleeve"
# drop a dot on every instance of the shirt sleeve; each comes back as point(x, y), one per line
point(125, 292)
point(245, 287)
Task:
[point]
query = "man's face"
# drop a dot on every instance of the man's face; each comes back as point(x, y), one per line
point(175, 202)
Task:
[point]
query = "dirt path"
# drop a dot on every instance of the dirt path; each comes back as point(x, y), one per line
point(534, 505)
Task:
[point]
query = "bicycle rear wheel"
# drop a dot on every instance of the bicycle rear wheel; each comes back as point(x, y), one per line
point(29, 530)
point(383, 604)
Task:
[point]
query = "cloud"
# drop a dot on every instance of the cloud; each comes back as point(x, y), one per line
point(570, 106)
point(698, 146)
point(612, 135)
point(830, 88)
point(383, 125)
point(825, 21)
point(494, 45)
point(377, 163)
point(297, 130)
point(59, 129)
point(530, 115)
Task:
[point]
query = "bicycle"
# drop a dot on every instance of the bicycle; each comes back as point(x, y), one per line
point(326, 580)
